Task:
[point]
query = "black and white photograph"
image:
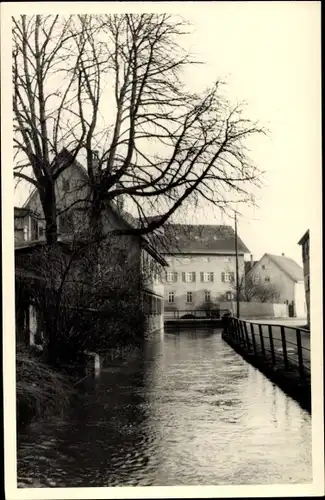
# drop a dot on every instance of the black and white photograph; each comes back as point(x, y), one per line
point(162, 235)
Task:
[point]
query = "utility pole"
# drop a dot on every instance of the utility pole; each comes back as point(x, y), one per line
point(237, 274)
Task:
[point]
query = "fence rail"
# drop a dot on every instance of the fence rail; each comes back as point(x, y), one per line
point(282, 345)
point(195, 313)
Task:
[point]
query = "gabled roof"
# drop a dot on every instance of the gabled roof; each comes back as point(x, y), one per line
point(288, 266)
point(304, 238)
point(126, 217)
point(200, 238)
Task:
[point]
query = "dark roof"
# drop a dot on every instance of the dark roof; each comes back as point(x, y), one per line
point(198, 238)
point(21, 211)
point(304, 238)
point(288, 265)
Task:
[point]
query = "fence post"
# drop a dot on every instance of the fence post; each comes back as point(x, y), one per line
point(261, 339)
point(253, 338)
point(237, 330)
point(246, 335)
point(272, 344)
point(300, 357)
point(284, 347)
point(242, 333)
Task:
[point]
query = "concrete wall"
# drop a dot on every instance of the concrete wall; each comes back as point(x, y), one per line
point(199, 263)
point(257, 309)
point(278, 278)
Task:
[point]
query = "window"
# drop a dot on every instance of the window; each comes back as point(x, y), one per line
point(41, 231)
point(188, 277)
point(227, 277)
point(34, 229)
point(229, 295)
point(26, 233)
point(264, 267)
point(206, 277)
point(171, 277)
point(171, 297)
point(65, 185)
point(227, 259)
point(256, 280)
point(267, 279)
point(207, 296)
point(189, 297)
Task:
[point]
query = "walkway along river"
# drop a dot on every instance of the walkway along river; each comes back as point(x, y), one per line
point(188, 410)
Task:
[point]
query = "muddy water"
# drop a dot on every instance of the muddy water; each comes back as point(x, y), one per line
point(186, 410)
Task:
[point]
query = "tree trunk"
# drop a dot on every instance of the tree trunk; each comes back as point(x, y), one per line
point(48, 201)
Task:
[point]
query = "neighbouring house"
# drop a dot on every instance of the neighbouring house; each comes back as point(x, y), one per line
point(284, 278)
point(304, 242)
point(73, 201)
point(202, 265)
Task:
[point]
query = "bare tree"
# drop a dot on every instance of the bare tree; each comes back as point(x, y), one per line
point(150, 142)
point(251, 290)
point(81, 307)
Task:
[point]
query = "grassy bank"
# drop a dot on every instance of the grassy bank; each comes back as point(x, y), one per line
point(288, 380)
point(40, 390)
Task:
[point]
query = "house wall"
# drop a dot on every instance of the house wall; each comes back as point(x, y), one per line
point(257, 309)
point(300, 300)
point(217, 264)
point(279, 279)
point(72, 186)
point(306, 268)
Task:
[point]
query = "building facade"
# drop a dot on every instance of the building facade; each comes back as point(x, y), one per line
point(72, 195)
point(283, 278)
point(304, 242)
point(201, 266)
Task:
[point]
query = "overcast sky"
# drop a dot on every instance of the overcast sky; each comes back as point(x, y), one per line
point(269, 52)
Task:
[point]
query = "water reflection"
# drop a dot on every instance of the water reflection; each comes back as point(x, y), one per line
point(185, 410)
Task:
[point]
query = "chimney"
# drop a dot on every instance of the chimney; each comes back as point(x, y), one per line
point(252, 260)
point(283, 255)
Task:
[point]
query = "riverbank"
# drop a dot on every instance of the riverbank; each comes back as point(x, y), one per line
point(288, 380)
point(40, 390)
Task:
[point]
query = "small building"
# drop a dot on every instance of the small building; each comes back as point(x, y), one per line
point(304, 242)
point(202, 265)
point(283, 277)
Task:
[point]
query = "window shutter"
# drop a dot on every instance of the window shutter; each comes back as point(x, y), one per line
point(194, 276)
point(211, 277)
point(223, 277)
point(202, 277)
point(175, 277)
point(183, 276)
